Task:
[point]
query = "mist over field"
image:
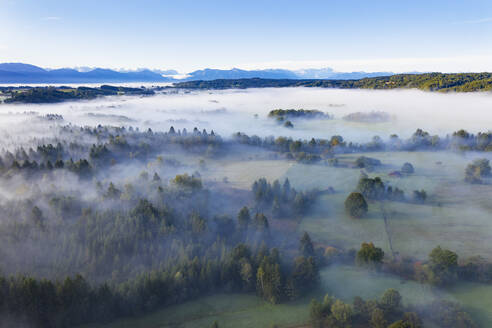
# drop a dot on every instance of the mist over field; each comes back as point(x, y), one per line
point(105, 191)
point(246, 164)
point(230, 111)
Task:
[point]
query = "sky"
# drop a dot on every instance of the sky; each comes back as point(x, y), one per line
point(346, 35)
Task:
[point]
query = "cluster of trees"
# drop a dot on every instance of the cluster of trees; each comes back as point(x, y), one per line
point(463, 140)
point(141, 244)
point(274, 285)
point(284, 114)
point(103, 145)
point(442, 268)
point(443, 82)
point(419, 196)
point(386, 312)
point(281, 199)
point(367, 163)
point(288, 124)
point(137, 247)
point(81, 167)
point(477, 170)
point(369, 256)
point(74, 301)
point(300, 150)
point(407, 168)
point(356, 205)
point(314, 150)
point(375, 189)
point(143, 258)
point(185, 180)
point(111, 145)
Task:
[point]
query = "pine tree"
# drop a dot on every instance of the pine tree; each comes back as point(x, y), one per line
point(306, 246)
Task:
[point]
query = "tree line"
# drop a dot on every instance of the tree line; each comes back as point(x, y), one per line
point(440, 82)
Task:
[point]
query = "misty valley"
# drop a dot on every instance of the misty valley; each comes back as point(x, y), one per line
point(267, 207)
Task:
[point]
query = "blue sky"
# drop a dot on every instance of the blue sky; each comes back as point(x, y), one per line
point(187, 35)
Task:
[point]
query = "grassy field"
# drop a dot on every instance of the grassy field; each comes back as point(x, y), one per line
point(246, 311)
point(229, 310)
point(477, 299)
point(241, 174)
point(456, 216)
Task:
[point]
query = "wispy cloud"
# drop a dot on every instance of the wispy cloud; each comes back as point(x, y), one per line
point(51, 18)
point(478, 21)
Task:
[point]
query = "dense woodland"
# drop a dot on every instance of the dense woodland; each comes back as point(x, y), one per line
point(442, 82)
point(316, 150)
point(132, 246)
point(124, 247)
point(39, 95)
point(386, 312)
point(282, 114)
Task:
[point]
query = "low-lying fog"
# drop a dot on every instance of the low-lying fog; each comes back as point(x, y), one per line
point(101, 243)
point(230, 111)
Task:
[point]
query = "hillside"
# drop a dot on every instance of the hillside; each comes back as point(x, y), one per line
point(46, 95)
point(442, 82)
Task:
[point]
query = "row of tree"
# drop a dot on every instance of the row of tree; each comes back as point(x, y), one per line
point(386, 312)
point(313, 150)
point(441, 268)
point(281, 199)
point(444, 82)
point(111, 145)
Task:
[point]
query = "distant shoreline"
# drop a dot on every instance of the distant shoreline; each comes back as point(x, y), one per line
point(431, 82)
point(440, 82)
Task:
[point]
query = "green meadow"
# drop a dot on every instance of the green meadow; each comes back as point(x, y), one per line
point(346, 282)
point(456, 216)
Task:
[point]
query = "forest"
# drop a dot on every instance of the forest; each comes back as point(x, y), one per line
point(130, 248)
point(40, 95)
point(247, 164)
point(441, 82)
point(142, 223)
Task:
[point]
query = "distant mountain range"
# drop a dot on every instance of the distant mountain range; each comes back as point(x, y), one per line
point(25, 73)
point(321, 73)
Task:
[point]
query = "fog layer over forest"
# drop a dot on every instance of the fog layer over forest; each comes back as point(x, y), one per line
point(230, 111)
point(121, 206)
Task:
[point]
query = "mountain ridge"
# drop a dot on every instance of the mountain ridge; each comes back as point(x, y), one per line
point(27, 73)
